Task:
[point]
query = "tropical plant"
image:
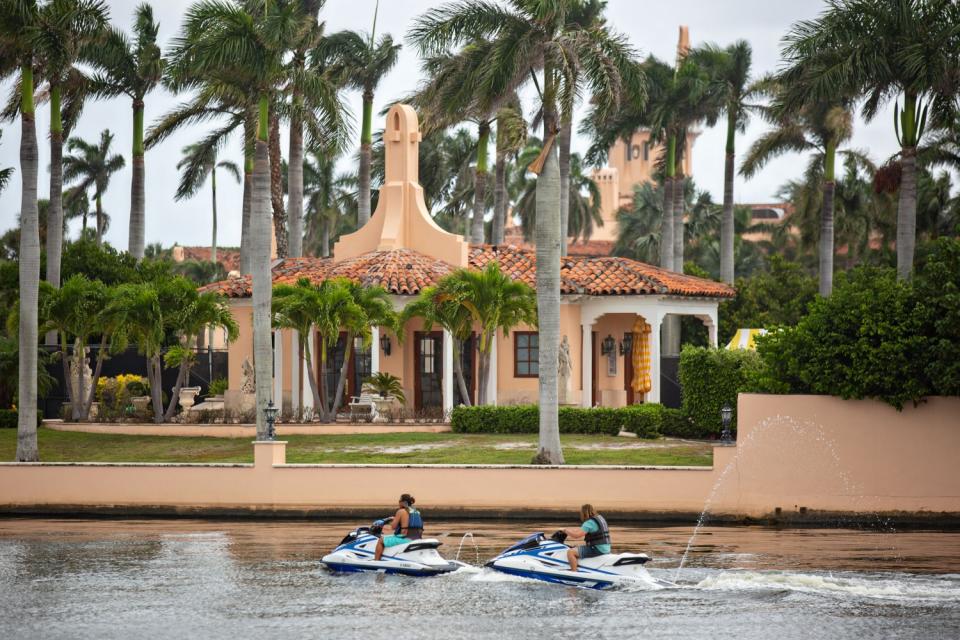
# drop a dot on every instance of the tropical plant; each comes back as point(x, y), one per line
point(5, 174)
point(198, 163)
point(361, 61)
point(297, 307)
point(91, 166)
point(131, 68)
point(330, 202)
point(729, 70)
point(387, 385)
point(820, 127)
point(883, 50)
point(527, 35)
point(17, 23)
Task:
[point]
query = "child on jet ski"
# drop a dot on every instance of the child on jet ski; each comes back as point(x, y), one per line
point(409, 526)
point(595, 534)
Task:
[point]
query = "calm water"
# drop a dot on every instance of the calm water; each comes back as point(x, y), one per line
point(197, 579)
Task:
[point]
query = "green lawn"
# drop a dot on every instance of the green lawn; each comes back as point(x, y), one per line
point(388, 448)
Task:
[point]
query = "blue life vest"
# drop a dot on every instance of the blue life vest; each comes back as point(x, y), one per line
point(602, 536)
point(414, 525)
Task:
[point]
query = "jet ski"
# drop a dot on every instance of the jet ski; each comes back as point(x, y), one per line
point(542, 558)
point(416, 558)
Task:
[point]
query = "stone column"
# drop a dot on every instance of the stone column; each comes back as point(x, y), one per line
point(447, 371)
point(712, 330)
point(278, 369)
point(586, 366)
point(295, 362)
point(307, 392)
point(656, 324)
point(492, 374)
point(374, 350)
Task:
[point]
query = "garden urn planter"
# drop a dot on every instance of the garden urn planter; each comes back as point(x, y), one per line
point(187, 397)
point(140, 403)
point(384, 405)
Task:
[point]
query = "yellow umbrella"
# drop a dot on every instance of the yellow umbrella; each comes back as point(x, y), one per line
point(641, 382)
point(744, 339)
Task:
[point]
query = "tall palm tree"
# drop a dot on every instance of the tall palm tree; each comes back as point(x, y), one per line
point(511, 138)
point(198, 163)
point(729, 71)
point(361, 61)
point(91, 166)
point(248, 41)
point(883, 50)
point(132, 68)
point(528, 35)
point(330, 200)
point(822, 128)
point(17, 23)
point(67, 28)
point(135, 313)
point(297, 307)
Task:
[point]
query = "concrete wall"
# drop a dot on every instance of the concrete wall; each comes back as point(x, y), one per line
point(808, 456)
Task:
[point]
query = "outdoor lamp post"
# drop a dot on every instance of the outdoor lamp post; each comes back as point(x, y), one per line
point(385, 343)
point(626, 346)
point(270, 415)
point(726, 413)
point(608, 345)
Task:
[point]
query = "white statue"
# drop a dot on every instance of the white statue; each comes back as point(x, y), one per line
point(564, 368)
point(249, 382)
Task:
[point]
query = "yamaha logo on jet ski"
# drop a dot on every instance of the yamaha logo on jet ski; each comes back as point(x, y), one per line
point(414, 558)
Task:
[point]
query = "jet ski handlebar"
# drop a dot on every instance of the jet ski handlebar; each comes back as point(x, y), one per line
point(559, 536)
point(377, 527)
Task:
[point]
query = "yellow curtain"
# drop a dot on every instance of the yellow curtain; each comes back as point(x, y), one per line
point(641, 382)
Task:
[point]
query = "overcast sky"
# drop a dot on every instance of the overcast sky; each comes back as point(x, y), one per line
point(650, 26)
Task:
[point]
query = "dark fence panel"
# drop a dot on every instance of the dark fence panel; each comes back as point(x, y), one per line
point(670, 391)
point(208, 362)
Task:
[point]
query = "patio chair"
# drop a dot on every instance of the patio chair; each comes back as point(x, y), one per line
point(363, 404)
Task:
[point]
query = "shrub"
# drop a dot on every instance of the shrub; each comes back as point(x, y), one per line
point(113, 395)
point(710, 379)
point(645, 420)
point(677, 425)
point(218, 386)
point(8, 418)
point(526, 419)
point(137, 387)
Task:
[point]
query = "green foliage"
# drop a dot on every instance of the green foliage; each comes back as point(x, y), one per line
point(712, 378)
point(386, 384)
point(218, 386)
point(8, 418)
point(677, 425)
point(875, 336)
point(645, 420)
point(526, 419)
point(766, 300)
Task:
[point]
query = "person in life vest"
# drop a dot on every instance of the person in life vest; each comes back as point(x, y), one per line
point(408, 526)
point(595, 535)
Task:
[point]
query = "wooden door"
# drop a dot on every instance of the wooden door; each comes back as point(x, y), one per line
point(428, 369)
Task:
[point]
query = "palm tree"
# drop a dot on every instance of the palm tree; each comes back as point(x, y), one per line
point(91, 165)
point(511, 138)
point(822, 128)
point(297, 307)
point(66, 29)
point(330, 199)
point(360, 61)
point(528, 35)
point(729, 71)
point(132, 69)
point(135, 313)
point(882, 50)
point(5, 173)
point(198, 163)
point(17, 21)
point(221, 40)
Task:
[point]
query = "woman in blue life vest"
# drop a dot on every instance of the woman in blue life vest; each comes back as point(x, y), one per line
point(408, 526)
point(595, 535)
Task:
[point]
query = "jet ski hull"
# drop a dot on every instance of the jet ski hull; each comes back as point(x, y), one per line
point(418, 558)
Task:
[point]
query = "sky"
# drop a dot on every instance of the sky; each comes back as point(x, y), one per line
point(652, 27)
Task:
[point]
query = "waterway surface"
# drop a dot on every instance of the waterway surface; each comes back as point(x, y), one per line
point(66, 578)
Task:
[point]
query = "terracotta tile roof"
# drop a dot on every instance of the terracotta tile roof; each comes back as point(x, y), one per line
point(406, 272)
point(228, 258)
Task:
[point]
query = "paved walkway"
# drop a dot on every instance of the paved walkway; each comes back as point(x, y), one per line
point(240, 430)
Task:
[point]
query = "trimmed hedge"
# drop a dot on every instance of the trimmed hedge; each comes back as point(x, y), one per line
point(8, 418)
point(640, 419)
point(711, 378)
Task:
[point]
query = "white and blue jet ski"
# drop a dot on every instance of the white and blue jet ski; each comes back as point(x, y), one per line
point(416, 558)
point(542, 558)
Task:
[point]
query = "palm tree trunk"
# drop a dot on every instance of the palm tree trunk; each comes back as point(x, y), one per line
point(99, 236)
point(499, 198)
point(458, 371)
point(342, 378)
point(726, 223)
point(480, 184)
point(483, 373)
point(295, 189)
point(548, 286)
point(88, 402)
point(325, 239)
point(666, 226)
point(67, 382)
point(276, 188)
point(245, 248)
point(907, 213)
point(156, 387)
point(366, 151)
point(308, 365)
point(826, 240)
point(55, 209)
point(175, 396)
point(29, 274)
point(79, 359)
point(260, 267)
point(563, 139)
point(324, 392)
point(135, 244)
point(679, 201)
point(213, 240)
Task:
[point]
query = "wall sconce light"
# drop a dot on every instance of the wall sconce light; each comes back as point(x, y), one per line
point(608, 345)
point(626, 346)
point(385, 343)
